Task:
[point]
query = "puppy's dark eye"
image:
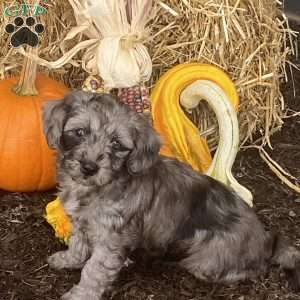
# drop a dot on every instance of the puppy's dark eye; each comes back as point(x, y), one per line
point(80, 132)
point(116, 145)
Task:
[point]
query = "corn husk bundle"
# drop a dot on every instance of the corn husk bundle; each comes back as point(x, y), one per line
point(114, 50)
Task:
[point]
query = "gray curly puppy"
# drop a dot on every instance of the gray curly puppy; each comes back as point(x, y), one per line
point(122, 195)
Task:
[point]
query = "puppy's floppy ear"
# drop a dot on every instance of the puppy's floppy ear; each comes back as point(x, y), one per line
point(146, 150)
point(53, 118)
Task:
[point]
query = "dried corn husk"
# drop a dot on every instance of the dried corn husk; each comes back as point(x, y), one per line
point(116, 30)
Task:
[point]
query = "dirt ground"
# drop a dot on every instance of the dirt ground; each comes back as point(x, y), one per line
point(26, 239)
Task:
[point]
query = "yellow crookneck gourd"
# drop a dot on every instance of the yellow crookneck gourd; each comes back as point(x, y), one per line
point(57, 218)
point(187, 85)
point(181, 137)
point(225, 155)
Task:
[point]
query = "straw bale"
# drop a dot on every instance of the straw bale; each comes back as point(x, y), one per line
point(249, 39)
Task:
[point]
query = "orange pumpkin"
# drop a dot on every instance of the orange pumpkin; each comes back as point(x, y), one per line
point(26, 162)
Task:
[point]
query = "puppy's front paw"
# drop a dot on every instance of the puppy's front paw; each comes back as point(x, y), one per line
point(57, 260)
point(79, 293)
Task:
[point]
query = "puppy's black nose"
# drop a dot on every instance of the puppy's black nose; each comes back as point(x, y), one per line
point(89, 168)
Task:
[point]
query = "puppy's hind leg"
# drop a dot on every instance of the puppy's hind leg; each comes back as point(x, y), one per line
point(217, 259)
point(73, 258)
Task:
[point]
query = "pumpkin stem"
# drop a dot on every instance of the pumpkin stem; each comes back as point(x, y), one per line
point(26, 85)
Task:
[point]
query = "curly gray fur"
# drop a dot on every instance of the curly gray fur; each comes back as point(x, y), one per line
point(122, 195)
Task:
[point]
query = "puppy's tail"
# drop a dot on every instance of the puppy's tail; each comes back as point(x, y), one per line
point(288, 258)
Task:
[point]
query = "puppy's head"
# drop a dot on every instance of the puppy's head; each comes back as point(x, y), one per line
point(97, 137)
